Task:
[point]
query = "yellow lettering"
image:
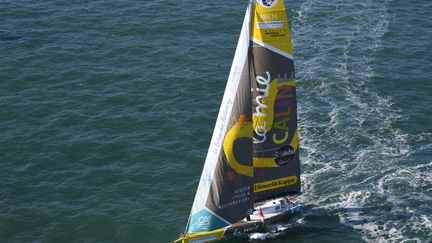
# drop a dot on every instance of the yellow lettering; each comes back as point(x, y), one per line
point(274, 184)
point(280, 141)
point(282, 124)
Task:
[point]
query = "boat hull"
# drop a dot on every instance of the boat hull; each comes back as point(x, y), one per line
point(240, 228)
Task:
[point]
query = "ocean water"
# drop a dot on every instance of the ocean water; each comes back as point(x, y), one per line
point(107, 109)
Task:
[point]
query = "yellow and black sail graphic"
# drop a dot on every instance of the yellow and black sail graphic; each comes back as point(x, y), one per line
point(253, 153)
point(274, 106)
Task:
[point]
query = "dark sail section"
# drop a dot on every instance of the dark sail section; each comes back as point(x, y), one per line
point(274, 106)
point(231, 192)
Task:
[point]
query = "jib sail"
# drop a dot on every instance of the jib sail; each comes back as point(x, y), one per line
point(225, 193)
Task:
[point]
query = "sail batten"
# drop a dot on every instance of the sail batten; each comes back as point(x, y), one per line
point(263, 44)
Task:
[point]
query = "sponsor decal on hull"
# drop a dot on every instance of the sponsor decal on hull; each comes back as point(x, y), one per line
point(204, 239)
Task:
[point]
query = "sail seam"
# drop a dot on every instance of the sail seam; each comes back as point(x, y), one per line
point(278, 51)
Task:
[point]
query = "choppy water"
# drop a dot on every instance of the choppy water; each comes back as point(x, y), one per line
point(107, 108)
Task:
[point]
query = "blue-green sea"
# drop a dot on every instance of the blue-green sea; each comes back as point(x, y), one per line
point(107, 109)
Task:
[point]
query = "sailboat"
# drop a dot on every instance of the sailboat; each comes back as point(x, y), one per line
point(252, 165)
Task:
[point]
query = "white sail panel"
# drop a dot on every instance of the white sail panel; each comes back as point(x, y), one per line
point(223, 117)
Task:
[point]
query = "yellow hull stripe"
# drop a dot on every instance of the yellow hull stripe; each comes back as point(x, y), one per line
point(210, 236)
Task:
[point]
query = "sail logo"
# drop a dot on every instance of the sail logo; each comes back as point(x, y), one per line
point(260, 109)
point(268, 3)
point(274, 184)
point(203, 221)
point(284, 155)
